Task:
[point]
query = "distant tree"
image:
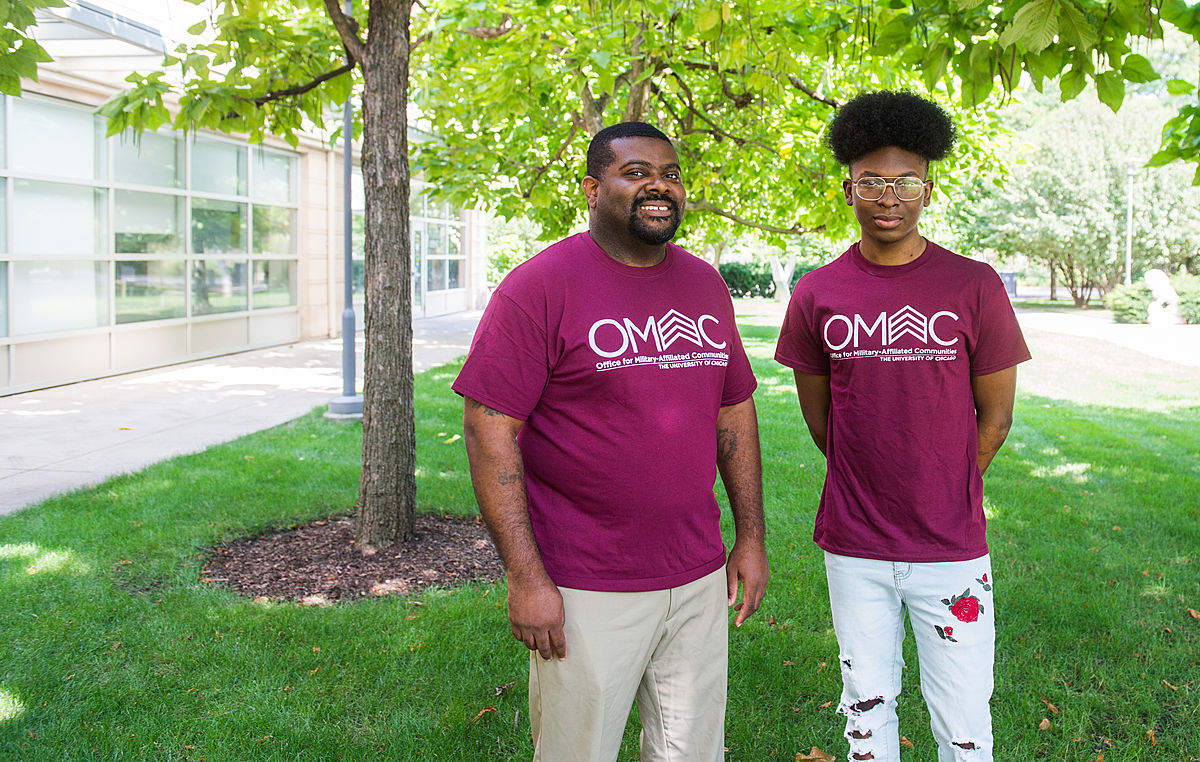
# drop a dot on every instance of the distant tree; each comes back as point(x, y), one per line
point(1064, 200)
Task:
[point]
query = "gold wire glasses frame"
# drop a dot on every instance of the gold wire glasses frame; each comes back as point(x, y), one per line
point(905, 188)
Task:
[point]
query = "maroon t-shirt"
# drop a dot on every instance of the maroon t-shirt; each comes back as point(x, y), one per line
point(618, 373)
point(900, 345)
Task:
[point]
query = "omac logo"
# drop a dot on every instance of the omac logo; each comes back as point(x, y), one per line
point(610, 337)
point(841, 331)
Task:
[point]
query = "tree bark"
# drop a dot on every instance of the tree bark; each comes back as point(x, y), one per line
point(388, 490)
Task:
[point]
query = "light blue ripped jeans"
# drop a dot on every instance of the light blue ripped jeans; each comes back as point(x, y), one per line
point(950, 608)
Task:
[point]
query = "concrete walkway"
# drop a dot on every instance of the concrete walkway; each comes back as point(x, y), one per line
point(55, 440)
point(72, 436)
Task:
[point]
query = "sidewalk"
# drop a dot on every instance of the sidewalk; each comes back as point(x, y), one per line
point(55, 440)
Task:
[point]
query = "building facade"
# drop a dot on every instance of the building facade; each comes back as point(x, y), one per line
point(122, 253)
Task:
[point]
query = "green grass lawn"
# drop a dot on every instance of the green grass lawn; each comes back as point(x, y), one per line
point(112, 647)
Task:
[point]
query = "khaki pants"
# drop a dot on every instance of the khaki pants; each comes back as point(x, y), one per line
point(667, 647)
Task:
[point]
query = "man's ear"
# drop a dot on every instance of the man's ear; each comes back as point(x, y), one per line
point(591, 188)
point(848, 189)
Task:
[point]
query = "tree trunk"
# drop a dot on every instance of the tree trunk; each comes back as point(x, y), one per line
point(388, 490)
point(782, 275)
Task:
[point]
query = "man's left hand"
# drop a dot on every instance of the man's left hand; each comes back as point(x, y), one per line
point(747, 563)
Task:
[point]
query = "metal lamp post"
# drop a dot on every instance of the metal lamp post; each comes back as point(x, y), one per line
point(350, 404)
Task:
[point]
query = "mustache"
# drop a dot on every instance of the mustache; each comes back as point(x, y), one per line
point(662, 197)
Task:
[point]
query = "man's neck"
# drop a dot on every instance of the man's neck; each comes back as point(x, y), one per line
point(893, 254)
point(629, 251)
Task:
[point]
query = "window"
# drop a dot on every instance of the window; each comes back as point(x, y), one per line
point(273, 229)
point(55, 140)
point(59, 295)
point(3, 207)
point(151, 159)
point(56, 218)
point(3, 299)
point(148, 223)
point(274, 283)
point(149, 290)
point(272, 176)
point(218, 285)
point(219, 167)
point(218, 227)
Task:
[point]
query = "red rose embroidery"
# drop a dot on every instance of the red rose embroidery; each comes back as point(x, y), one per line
point(948, 630)
point(985, 578)
point(966, 609)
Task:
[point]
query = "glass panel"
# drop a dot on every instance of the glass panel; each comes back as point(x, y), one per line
point(218, 227)
point(358, 269)
point(3, 207)
point(358, 235)
point(452, 273)
point(274, 283)
point(53, 218)
point(218, 285)
point(3, 291)
point(453, 247)
point(3, 133)
point(148, 223)
point(418, 239)
point(54, 140)
point(219, 167)
point(151, 160)
point(435, 241)
point(150, 291)
point(59, 296)
point(273, 176)
point(418, 203)
point(437, 275)
point(273, 226)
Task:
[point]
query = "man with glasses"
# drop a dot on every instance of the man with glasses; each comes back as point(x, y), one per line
point(905, 360)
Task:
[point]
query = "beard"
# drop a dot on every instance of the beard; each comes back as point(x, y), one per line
point(654, 234)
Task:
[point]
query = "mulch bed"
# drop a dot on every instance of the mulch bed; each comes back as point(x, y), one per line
point(318, 563)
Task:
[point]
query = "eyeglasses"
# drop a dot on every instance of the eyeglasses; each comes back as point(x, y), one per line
point(905, 188)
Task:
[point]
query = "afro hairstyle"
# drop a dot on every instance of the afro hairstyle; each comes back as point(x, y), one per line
point(600, 153)
point(880, 119)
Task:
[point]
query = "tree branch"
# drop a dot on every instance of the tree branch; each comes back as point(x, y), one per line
point(542, 170)
point(707, 206)
point(816, 96)
point(489, 32)
point(347, 29)
point(275, 95)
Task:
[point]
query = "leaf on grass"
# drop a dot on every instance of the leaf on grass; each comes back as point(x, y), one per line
point(1172, 687)
point(816, 755)
point(124, 561)
point(1194, 614)
point(1044, 724)
point(826, 705)
point(503, 689)
point(1053, 709)
point(1150, 735)
point(482, 712)
point(454, 438)
point(905, 742)
point(789, 663)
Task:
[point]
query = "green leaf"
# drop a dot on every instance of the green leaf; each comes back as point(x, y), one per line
point(709, 18)
point(601, 57)
point(934, 65)
point(1071, 84)
point(894, 36)
point(1137, 68)
point(1075, 28)
point(966, 5)
point(1034, 26)
point(1179, 86)
point(1110, 88)
point(1162, 157)
point(1196, 177)
point(197, 28)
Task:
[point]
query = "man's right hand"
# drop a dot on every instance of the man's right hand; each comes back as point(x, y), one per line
point(535, 615)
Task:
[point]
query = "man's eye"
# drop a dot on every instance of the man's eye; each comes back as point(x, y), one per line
point(871, 183)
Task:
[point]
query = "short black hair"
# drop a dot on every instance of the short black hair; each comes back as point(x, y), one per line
point(600, 153)
point(880, 119)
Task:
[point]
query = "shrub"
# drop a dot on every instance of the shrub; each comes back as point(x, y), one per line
point(800, 271)
point(1188, 288)
point(1129, 303)
point(747, 280)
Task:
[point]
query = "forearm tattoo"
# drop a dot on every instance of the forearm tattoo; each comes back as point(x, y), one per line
point(727, 443)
